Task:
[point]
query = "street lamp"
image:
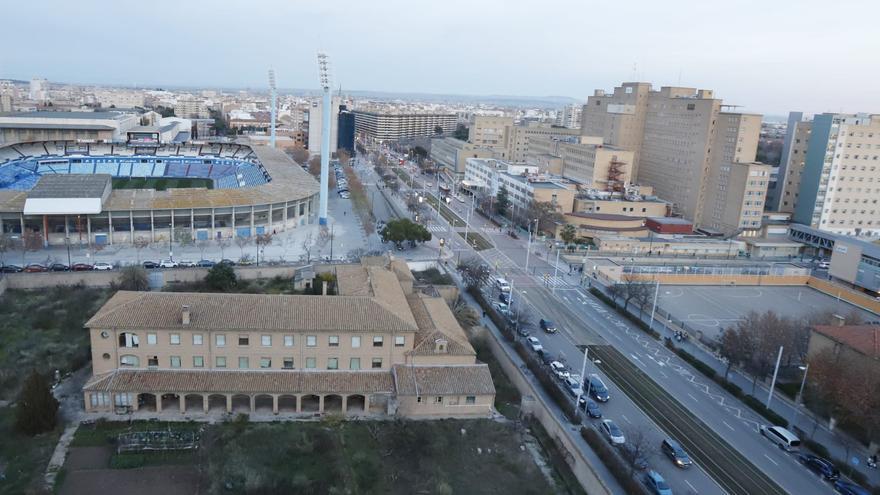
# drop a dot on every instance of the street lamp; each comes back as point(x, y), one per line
point(67, 242)
point(800, 394)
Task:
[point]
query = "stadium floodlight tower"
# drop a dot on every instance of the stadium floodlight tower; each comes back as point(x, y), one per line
point(324, 74)
point(272, 99)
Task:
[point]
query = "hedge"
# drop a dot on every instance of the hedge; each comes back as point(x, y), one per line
point(612, 461)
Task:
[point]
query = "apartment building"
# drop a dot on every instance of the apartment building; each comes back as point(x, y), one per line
point(452, 154)
point(378, 126)
point(489, 131)
point(191, 108)
point(519, 137)
point(586, 160)
point(484, 175)
point(380, 347)
point(618, 118)
point(569, 116)
point(777, 189)
point(832, 178)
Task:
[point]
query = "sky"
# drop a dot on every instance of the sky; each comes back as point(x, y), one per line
point(770, 56)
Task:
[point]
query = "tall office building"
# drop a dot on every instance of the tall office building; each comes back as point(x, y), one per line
point(618, 118)
point(39, 90)
point(839, 184)
point(395, 126)
point(315, 125)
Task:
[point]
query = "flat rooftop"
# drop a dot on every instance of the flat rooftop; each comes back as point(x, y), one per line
point(43, 114)
point(70, 186)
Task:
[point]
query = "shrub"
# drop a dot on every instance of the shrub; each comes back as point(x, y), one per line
point(36, 408)
point(221, 277)
point(817, 448)
point(731, 387)
point(761, 409)
point(134, 277)
point(612, 461)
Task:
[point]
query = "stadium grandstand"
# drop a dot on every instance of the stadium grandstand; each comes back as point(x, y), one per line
point(255, 190)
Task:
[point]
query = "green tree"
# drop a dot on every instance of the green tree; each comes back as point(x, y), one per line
point(568, 234)
point(134, 277)
point(546, 213)
point(404, 230)
point(502, 201)
point(438, 130)
point(474, 273)
point(37, 409)
point(221, 277)
point(461, 132)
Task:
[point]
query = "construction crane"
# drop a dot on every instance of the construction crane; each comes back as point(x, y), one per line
point(324, 77)
point(272, 99)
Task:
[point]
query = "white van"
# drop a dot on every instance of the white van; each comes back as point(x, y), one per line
point(785, 439)
point(502, 285)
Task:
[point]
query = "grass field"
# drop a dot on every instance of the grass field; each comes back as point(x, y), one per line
point(477, 241)
point(161, 184)
point(44, 330)
point(23, 459)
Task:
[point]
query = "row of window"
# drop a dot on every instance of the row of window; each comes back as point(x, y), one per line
point(127, 339)
point(130, 361)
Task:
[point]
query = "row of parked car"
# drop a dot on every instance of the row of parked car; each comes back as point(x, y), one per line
point(56, 267)
point(341, 182)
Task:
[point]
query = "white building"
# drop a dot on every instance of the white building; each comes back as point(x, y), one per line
point(315, 114)
point(39, 90)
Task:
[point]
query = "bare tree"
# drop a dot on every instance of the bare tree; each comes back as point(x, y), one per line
point(140, 242)
point(473, 272)
point(203, 246)
point(32, 240)
point(466, 316)
point(183, 236)
point(323, 237)
point(307, 245)
point(343, 157)
point(223, 243)
point(616, 291)
point(300, 155)
point(637, 449)
point(760, 335)
point(6, 243)
point(632, 286)
point(644, 295)
point(262, 240)
point(242, 242)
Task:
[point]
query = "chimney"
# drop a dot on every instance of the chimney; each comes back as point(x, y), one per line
point(184, 314)
point(839, 321)
point(324, 288)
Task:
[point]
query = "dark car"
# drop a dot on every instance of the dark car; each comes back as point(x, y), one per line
point(58, 267)
point(635, 456)
point(548, 326)
point(226, 262)
point(149, 265)
point(82, 267)
point(597, 388)
point(823, 467)
point(847, 488)
point(35, 268)
point(11, 269)
point(591, 408)
point(505, 297)
point(676, 453)
point(205, 263)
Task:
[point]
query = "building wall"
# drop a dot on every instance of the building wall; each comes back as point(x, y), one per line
point(618, 118)
point(628, 208)
point(518, 138)
point(315, 117)
point(791, 171)
point(489, 131)
point(444, 405)
point(774, 196)
point(392, 127)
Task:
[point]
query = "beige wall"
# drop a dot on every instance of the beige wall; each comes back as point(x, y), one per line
point(791, 183)
point(444, 406)
point(618, 118)
point(628, 208)
point(489, 131)
point(518, 138)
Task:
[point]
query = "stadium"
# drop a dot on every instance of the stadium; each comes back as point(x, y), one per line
point(103, 193)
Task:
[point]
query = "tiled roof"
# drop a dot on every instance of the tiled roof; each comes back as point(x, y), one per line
point(162, 310)
point(242, 381)
point(435, 321)
point(443, 380)
point(863, 338)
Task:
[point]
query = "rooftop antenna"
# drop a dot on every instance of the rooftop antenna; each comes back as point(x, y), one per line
point(324, 77)
point(272, 97)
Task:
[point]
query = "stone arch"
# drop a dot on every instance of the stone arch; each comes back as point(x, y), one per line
point(310, 403)
point(146, 402)
point(170, 402)
point(241, 403)
point(355, 404)
point(263, 404)
point(217, 403)
point(333, 403)
point(194, 402)
point(378, 404)
point(287, 403)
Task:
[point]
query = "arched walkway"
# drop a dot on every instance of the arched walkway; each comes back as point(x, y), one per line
point(310, 403)
point(217, 403)
point(378, 404)
point(241, 404)
point(333, 403)
point(146, 402)
point(355, 404)
point(287, 404)
point(194, 403)
point(263, 404)
point(170, 403)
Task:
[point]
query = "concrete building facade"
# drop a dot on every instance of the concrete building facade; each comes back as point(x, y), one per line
point(452, 154)
point(519, 137)
point(586, 160)
point(21, 127)
point(381, 127)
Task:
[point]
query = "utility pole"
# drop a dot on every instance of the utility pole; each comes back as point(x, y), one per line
point(775, 372)
point(654, 307)
point(577, 399)
point(529, 244)
point(331, 242)
point(555, 270)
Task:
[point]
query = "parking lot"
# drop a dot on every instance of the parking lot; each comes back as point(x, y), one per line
point(710, 309)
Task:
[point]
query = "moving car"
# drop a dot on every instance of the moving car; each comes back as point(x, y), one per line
point(548, 326)
point(168, 264)
point(590, 407)
point(83, 267)
point(612, 432)
point(847, 488)
point(11, 269)
point(559, 370)
point(535, 344)
point(35, 268)
point(656, 484)
point(58, 267)
point(205, 263)
point(823, 467)
point(102, 266)
point(597, 389)
point(150, 265)
point(676, 453)
point(783, 438)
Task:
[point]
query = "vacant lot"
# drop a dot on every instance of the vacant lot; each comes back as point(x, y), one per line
point(160, 184)
point(44, 330)
point(23, 459)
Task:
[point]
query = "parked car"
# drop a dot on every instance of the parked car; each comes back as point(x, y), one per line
point(149, 265)
point(676, 453)
point(823, 467)
point(597, 389)
point(636, 456)
point(535, 344)
point(245, 262)
point(548, 326)
point(847, 488)
point(590, 407)
point(58, 267)
point(573, 386)
point(783, 438)
point(205, 263)
point(656, 484)
point(612, 432)
point(11, 269)
point(83, 267)
point(225, 261)
point(559, 370)
point(504, 297)
point(102, 266)
point(168, 264)
point(186, 264)
point(35, 268)
point(502, 308)
point(824, 265)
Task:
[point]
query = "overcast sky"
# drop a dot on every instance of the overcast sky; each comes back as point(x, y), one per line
point(770, 56)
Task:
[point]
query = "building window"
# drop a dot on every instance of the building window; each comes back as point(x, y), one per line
point(266, 340)
point(197, 339)
point(153, 361)
point(333, 363)
point(175, 339)
point(355, 342)
point(333, 341)
point(310, 363)
point(220, 340)
point(220, 361)
point(399, 340)
point(470, 400)
point(439, 399)
point(311, 340)
point(265, 362)
point(378, 341)
point(288, 341)
point(377, 363)
point(244, 340)
point(175, 361)
point(287, 363)
point(243, 363)
point(127, 339)
point(129, 360)
point(419, 399)
point(198, 362)
point(354, 363)
point(123, 399)
point(151, 339)
point(99, 399)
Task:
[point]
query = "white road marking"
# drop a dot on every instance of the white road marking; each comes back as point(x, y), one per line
point(690, 485)
point(727, 425)
point(692, 397)
point(663, 374)
point(771, 460)
point(625, 419)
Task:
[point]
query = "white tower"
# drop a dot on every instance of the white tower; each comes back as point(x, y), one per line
point(324, 74)
point(272, 97)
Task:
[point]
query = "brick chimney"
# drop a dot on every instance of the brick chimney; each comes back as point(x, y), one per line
point(184, 314)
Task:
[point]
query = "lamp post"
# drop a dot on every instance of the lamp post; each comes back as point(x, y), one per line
point(800, 394)
point(654, 307)
point(67, 242)
point(529, 244)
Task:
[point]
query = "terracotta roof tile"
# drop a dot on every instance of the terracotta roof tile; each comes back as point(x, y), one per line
point(443, 380)
point(863, 338)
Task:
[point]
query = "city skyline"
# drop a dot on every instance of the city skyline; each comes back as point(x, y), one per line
point(490, 48)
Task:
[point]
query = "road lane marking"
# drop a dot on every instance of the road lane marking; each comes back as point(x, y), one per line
point(690, 485)
point(625, 419)
point(771, 460)
point(727, 425)
point(692, 397)
point(663, 374)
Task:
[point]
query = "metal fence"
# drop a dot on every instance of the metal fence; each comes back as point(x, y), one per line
point(141, 441)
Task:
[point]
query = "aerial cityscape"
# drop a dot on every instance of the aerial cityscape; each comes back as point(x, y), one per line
point(473, 252)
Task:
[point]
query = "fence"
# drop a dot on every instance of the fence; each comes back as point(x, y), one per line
point(142, 441)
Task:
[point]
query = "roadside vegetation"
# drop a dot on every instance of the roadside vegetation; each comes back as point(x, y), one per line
point(23, 458)
point(222, 278)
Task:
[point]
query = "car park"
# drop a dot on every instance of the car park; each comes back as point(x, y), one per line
point(150, 265)
point(612, 432)
point(205, 263)
point(58, 267)
point(674, 451)
point(597, 389)
point(535, 344)
point(83, 267)
point(102, 266)
point(35, 268)
point(783, 438)
point(590, 407)
point(559, 370)
point(823, 467)
point(548, 326)
point(656, 484)
point(11, 269)
point(847, 488)
point(168, 264)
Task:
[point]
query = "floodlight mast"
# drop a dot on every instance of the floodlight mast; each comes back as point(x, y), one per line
point(324, 74)
point(272, 98)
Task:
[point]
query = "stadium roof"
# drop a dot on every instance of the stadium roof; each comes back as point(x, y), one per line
point(43, 114)
point(15, 125)
point(70, 186)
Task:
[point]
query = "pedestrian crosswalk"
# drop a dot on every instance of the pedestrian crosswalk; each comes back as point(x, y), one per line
point(497, 260)
point(437, 228)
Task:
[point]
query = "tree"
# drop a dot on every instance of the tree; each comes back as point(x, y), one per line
point(221, 277)
point(307, 244)
point(315, 165)
point(546, 214)
point(32, 240)
point(134, 277)
point(203, 246)
point(632, 286)
point(36, 409)
point(300, 155)
point(466, 316)
point(637, 449)
point(343, 157)
point(461, 132)
point(568, 234)
point(502, 201)
point(404, 230)
point(760, 335)
point(262, 240)
point(474, 273)
point(242, 242)
point(182, 236)
point(140, 242)
point(438, 130)
point(223, 243)
point(6, 243)
point(616, 291)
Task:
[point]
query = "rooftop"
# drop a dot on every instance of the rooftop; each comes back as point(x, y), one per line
point(863, 338)
point(70, 186)
point(43, 114)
